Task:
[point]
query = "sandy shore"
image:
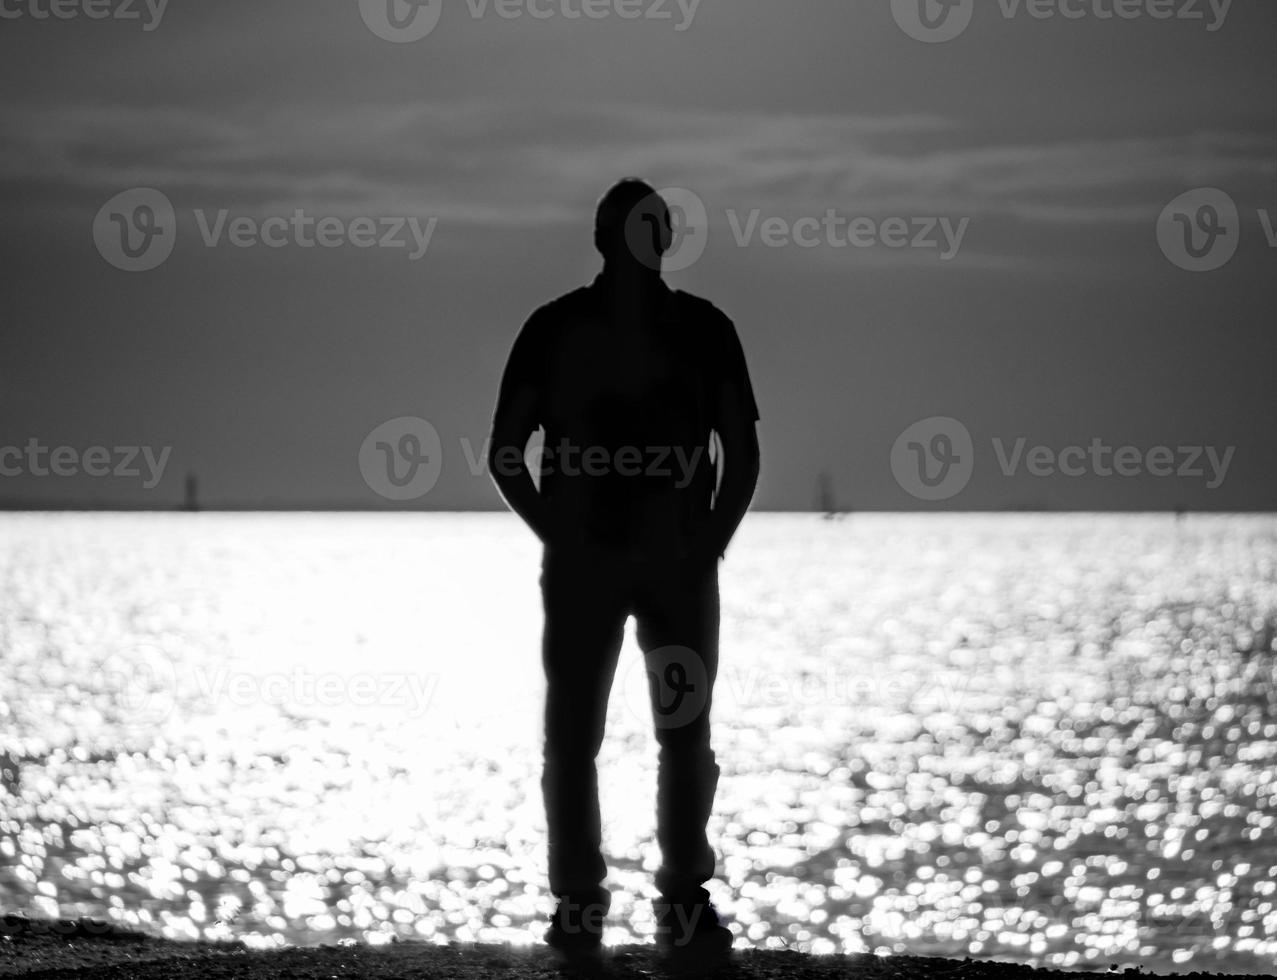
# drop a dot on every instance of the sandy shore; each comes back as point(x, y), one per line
point(89, 949)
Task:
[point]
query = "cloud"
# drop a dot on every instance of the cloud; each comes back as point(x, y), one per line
point(488, 162)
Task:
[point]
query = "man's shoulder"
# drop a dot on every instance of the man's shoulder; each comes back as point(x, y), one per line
point(545, 328)
point(698, 309)
point(703, 318)
point(689, 309)
point(564, 307)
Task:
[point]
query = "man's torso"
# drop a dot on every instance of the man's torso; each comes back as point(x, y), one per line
point(626, 413)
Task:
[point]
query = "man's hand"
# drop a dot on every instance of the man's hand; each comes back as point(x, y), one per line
point(741, 464)
point(511, 430)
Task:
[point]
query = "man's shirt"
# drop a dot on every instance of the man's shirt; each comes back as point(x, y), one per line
point(628, 404)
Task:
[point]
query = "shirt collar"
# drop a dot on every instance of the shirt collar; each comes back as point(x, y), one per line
point(665, 296)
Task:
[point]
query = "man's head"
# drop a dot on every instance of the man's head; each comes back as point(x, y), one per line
point(632, 224)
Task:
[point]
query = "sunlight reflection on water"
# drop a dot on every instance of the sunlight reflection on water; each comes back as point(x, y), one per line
point(1047, 739)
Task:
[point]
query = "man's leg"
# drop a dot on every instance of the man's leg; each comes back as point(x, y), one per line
point(585, 614)
point(677, 612)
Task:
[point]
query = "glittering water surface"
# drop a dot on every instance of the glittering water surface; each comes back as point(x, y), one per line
point(1047, 739)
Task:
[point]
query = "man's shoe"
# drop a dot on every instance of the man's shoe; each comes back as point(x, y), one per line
point(688, 925)
point(576, 928)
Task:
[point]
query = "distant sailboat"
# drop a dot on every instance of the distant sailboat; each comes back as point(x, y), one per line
point(826, 500)
point(192, 501)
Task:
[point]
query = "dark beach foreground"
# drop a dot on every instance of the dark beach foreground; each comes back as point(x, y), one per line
point(67, 949)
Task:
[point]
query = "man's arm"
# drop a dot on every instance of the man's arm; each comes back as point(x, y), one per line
point(741, 464)
point(515, 419)
point(736, 414)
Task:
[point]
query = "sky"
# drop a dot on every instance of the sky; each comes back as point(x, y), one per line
point(1012, 290)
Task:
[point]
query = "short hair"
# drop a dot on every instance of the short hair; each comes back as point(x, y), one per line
point(622, 198)
point(618, 205)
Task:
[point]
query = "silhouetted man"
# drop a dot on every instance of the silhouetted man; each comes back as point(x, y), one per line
point(637, 501)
